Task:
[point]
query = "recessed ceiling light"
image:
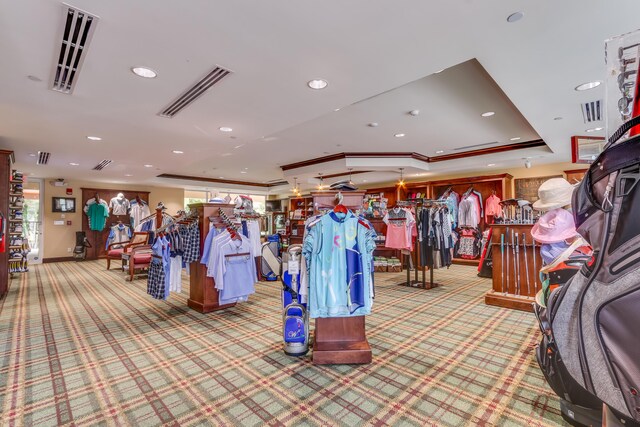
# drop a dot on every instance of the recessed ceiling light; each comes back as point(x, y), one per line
point(148, 166)
point(32, 154)
point(74, 164)
point(593, 130)
point(588, 85)
point(226, 129)
point(221, 177)
point(399, 135)
point(243, 171)
point(145, 72)
point(414, 113)
point(336, 109)
point(34, 78)
point(491, 164)
point(439, 151)
point(372, 124)
point(515, 17)
point(488, 114)
point(246, 168)
point(127, 174)
point(515, 138)
point(177, 152)
point(317, 84)
point(94, 138)
point(239, 146)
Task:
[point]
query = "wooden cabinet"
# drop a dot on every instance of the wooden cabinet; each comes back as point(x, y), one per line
point(98, 239)
point(575, 175)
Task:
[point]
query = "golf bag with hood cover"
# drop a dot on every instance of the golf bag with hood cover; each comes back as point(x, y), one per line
point(590, 351)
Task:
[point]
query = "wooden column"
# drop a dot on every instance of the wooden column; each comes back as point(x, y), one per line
point(513, 292)
point(203, 296)
point(341, 340)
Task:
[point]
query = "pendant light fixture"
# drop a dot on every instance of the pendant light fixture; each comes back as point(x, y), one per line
point(350, 181)
point(321, 185)
point(401, 183)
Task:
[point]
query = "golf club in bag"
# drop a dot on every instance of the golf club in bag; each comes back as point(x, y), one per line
point(590, 350)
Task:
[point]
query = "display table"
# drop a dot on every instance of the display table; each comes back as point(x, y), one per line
point(512, 286)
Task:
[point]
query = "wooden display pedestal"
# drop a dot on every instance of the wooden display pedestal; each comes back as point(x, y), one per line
point(203, 299)
point(516, 291)
point(509, 301)
point(340, 340)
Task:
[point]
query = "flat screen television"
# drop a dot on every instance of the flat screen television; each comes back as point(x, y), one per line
point(63, 204)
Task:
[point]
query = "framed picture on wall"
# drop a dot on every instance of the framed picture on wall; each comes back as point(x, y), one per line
point(527, 188)
point(585, 149)
point(63, 204)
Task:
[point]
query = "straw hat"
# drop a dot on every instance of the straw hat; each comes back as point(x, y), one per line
point(554, 193)
point(554, 226)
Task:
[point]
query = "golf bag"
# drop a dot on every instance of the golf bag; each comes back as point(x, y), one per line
point(271, 262)
point(590, 351)
point(295, 318)
point(82, 243)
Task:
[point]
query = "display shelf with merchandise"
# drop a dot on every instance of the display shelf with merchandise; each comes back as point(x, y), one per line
point(18, 247)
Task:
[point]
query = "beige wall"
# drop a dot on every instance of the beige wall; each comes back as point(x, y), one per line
point(58, 238)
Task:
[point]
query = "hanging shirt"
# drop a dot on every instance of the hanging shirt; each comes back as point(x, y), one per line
point(137, 212)
point(399, 223)
point(119, 206)
point(98, 214)
point(118, 234)
point(333, 252)
point(492, 208)
point(468, 215)
point(234, 270)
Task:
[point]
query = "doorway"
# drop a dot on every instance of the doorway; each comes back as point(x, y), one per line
point(32, 218)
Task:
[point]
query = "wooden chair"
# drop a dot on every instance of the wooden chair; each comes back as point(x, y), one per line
point(115, 250)
point(139, 258)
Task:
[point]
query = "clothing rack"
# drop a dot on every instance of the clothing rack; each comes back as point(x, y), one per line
point(429, 203)
point(203, 296)
point(407, 256)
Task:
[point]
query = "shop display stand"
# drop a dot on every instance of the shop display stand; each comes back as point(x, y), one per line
point(16, 194)
point(203, 295)
point(340, 340)
point(513, 292)
point(6, 158)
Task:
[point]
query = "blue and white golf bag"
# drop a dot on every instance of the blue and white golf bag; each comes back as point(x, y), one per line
point(295, 318)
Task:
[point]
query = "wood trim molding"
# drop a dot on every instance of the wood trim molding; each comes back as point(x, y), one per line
point(469, 180)
point(222, 181)
point(335, 175)
point(576, 171)
point(413, 155)
point(98, 190)
point(492, 150)
point(57, 259)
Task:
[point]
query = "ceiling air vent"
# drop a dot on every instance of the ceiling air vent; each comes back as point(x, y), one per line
point(103, 164)
point(43, 157)
point(592, 111)
point(76, 34)
point(194, 92)
point(471, 147)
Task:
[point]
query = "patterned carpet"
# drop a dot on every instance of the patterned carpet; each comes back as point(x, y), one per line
point(80, 346)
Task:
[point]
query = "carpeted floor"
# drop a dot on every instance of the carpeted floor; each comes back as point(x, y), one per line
point(79, 345)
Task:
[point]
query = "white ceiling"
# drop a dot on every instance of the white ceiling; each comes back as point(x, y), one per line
point(362, 47)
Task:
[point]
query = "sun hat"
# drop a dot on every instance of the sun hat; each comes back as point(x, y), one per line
point(554, 226)
point(553, 193)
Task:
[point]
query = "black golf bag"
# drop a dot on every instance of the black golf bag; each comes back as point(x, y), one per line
point(590, 351)
point(82, 243)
